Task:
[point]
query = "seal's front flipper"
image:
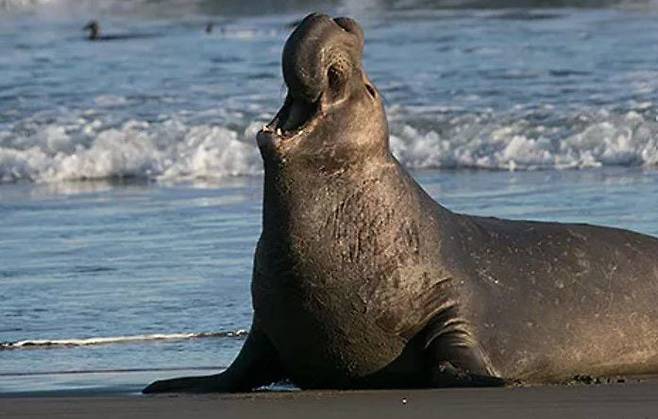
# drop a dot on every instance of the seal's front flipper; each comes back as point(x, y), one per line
point(204, 384)
point(454, 364)
point(447, 375)
point(257, 365)
point(453, 355)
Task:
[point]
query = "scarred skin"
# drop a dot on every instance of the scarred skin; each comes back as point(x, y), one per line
point(361, 280)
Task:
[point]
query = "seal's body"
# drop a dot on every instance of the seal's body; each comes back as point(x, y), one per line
point(361, 280)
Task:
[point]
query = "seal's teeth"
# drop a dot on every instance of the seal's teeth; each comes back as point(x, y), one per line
point(278, 131)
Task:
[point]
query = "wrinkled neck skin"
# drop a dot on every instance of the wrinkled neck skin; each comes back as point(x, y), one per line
point(297, 194)
point(353, 215)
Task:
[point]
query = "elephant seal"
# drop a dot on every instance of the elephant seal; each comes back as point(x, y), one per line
point(361, 280)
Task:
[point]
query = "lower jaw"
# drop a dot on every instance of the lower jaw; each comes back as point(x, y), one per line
point(267, 139)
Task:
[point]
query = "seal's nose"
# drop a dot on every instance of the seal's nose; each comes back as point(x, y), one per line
point(318, 52)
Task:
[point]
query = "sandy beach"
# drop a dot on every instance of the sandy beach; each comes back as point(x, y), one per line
point(580, 401)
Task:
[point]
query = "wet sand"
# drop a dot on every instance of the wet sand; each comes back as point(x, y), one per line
point(578, 401)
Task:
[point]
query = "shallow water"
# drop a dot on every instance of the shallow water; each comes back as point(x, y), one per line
point(130, 184)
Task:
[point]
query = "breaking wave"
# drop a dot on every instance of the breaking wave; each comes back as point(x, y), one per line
point(87, 150)
point(178, 151)
point(68, 343)
point(494, 142)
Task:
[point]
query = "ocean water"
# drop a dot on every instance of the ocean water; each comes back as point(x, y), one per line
point(130, 182)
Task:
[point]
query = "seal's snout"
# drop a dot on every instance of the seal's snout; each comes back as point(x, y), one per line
point(320, 55)
point(321, 67)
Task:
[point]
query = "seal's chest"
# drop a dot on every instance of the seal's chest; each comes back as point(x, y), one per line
point(323, 334)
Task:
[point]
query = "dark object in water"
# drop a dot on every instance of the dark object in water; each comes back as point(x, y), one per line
point(94, 30)
point(95, 33)
point(209, 27)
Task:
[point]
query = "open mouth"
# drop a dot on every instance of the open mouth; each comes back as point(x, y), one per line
point(294, 117)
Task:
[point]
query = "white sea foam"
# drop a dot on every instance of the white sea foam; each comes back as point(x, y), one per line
point(479, 142)
point(60, 343)
point(86, 147)
point(170, 150)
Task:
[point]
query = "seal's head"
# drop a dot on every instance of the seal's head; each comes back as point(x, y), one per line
point(333, 116)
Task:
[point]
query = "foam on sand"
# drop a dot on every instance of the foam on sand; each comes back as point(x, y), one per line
point(63, 343)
